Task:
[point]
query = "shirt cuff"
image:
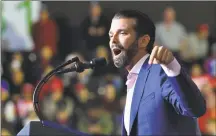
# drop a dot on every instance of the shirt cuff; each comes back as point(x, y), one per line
point(172, 69)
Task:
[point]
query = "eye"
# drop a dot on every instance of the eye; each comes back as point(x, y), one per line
point(123, 33)
point(110, 36)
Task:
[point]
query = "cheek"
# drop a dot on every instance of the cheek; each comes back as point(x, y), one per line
point(126, 42)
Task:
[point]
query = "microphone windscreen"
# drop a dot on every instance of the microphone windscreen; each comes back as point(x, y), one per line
point(99, 62)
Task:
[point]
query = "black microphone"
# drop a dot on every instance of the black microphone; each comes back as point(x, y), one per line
point(80, 66)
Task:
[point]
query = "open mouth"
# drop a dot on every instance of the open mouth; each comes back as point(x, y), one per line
point(116, 51)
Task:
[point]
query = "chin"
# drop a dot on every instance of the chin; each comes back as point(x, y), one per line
point(119, 62)
point(120, 59)
point(118, 65)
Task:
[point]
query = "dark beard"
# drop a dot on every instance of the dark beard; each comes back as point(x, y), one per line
point(126, 56)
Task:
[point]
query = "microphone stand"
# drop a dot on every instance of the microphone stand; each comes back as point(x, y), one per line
point(58, 70)
point(42, 82)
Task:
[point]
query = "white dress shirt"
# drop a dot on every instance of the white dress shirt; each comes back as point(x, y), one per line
point(172, 69)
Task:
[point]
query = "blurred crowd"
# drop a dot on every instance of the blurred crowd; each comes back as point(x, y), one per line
point(92, 101)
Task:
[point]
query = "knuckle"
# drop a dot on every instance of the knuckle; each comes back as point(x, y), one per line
point(160, 47)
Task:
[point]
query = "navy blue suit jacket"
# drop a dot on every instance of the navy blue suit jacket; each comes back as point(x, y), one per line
point(163, 105)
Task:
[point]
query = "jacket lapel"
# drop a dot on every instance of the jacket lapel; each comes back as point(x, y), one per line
point(123, 126)
point(138, 91)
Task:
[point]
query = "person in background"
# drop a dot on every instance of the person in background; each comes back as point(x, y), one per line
point(210, 66)
point(109, 98)
point(208, 121)
point(211, 125)
point(198, 75)
point(198, 44)
point(7, 105)
point(51, 99)
point(17, 76)
point(44, 32)
point(96, 120)
point(94, 28)
point(46, 56)
point(24, 103)
point(55, 105)
point(68, 39)
point(170, 33)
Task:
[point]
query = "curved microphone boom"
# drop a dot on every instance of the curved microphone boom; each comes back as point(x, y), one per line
point(78, 67)
point(42, 82)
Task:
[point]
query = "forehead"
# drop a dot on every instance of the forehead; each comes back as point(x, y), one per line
point(122, 23)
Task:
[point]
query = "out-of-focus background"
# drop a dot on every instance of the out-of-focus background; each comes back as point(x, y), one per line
point(37, 36)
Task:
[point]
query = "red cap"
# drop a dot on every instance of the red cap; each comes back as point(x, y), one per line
point(203, 27)
point(57, 85)
point(27, 88)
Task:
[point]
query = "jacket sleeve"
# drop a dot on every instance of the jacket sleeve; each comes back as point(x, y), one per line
point(183, 94)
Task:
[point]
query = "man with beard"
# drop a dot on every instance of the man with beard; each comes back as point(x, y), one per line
point(161, 98)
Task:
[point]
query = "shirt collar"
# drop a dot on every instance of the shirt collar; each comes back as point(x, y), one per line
point(137, 67)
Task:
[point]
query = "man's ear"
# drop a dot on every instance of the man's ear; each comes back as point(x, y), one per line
point(143, 41)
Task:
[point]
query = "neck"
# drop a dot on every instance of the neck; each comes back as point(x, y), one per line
point(199, 36)
point(44, 20)
point(135, 60)
point(168, 22)
point(94, 18)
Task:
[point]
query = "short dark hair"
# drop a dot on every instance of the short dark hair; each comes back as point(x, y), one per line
point(144, 25)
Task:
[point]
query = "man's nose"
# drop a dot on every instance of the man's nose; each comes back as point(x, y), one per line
point(114, 39)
